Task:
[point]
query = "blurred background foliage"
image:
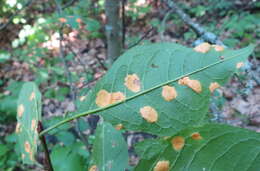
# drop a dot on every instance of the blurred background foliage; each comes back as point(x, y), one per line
point(33, 32)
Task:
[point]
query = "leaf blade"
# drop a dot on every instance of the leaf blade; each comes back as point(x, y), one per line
point(189, 107)
point(28, 115)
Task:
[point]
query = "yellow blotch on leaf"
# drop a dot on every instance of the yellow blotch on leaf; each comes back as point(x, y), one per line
point(119, 126)
point(117, 97)
point(18, 127)
point(27, 147)
point(32, 96)
point(178, 143)
point(239, 65)
point(93, 168)
point(149, 114)
point(103, 98)
point(163, 165)
point(33, 124)
point(218, 48)
point(213, 86)
point(193, 84)
point(20, 110)
point(203, 47)
point(132, 82)
point(196, 136)
point(169, 93)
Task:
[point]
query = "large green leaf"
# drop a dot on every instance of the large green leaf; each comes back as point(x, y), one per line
point(154, 68)
point(109, 150)
point(28, 115)
point(212, 147)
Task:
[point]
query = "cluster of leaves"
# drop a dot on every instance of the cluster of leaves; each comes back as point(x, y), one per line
point(164, 90)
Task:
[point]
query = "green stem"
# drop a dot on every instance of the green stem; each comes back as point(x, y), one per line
point(130, 98)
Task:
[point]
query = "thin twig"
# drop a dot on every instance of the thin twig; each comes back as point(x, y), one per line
point(142, 38)
point(47, 161)
point(197, 28)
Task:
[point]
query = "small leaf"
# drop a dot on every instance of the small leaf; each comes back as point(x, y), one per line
point(28, 115)
point(109, 150)
point(212, 147)
point(163, 87)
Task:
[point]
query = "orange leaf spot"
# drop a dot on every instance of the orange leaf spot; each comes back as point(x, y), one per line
point(20, 110)
point(132, 82)
point(119, 126)
point(32, 96)
point(33, 124)
point(81, 98)
point(149, 114)
point(27, 147)
point(218, 48)
point(169, 93)
point(203, 47)
point(239, 65)
point(103, 98)
point(178, 142)
point(117, 97)
point(213, 86)
point(18, 127)
point(163, 165)
point(93, 168)
point(196, 136)
point(193, 84)
point(78, 20)
point(63, 20)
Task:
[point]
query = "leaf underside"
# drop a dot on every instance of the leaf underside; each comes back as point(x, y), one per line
point(28, 115)
point(158, 65)
point(220, 147)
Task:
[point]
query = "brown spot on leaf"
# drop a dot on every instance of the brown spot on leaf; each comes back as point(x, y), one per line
point(18, 127)
point(169, 93)
point(132, 82)
point(119, 126)
point(20, 110)
point(213, 86)
point(163, 165)
point(33, 124)
point(196, 136)
point(203, 47)
point(103, 98)
point(32, 96)
point(78, 20)
point(93, 168)
point(193, 84)
point(81, 98)
point(218, 48)
point(117, 97)
point(27, 147)
point(239, 65)
point(178, 143)
point(149, 114)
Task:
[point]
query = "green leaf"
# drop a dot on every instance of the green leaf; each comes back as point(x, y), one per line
point(64, 159)
point(151, 68)
point(212, 147)
point(28, 115)
point(109, 149)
